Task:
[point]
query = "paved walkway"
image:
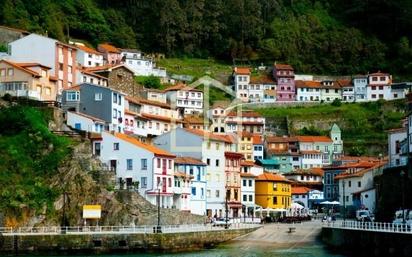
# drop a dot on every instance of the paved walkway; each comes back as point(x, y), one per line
point(277, 234)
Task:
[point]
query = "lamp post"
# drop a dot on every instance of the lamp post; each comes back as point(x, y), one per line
point(227, 212)
point(344, 200)
point(159, 228)
point(403, 194)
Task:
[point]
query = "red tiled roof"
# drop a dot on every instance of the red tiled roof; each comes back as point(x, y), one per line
point(85, 71)
point(194, 119)
point(88, 49)
point(17, 66)
point(348, 174)
point(15, 29)
point(310, 152)
point(345, 82)
point(127, 111)
point(108, 67)
point(300, 190)
point(307, 84)
point(278, 139)
point(244, 114)
point(160, 118)
point(247, 163)
point(209, 135)
point(313, 139)
point(189, 160)
point(379, 74)
point(233, 155)
point(109, 48)
point(32, 64)
point(183, 87)
point(311, 171)
point(272, 177)
point(150, 148)
point(283, 66)
point(242, 70)
point(257, 140)
point(247, 175)
point(262, 79)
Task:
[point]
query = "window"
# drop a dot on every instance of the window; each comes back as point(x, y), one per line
point(244, 182)
point(61, 66)
point(374, 78)
point(359, 184)
point(169, 164)
point(170, 182)
point(144, 164)
point(193, 190)
point(3, 72)
point(217, 163)
point(373, 87)
point(250, 198)
point(48, 91)
point(129, 164)
point(114, 97)
point(217, 193)
point(217, 146)
point(373, 96)
point(275, 200)
point(250, 182)
point(208, 161)
point(98, 96)
point(382, 78)
point(115, 146)
point(244, 198)
point(349, 183)
point(208, 193)
point(72, 96)
point(158, 163)
point(144, 182)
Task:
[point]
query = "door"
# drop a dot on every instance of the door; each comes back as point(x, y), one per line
point(113, 165)
point(97, 149)
point(164, 166)
point(164, 185)
point(78, 126)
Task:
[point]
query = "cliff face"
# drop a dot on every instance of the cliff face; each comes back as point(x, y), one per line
point(82, 181)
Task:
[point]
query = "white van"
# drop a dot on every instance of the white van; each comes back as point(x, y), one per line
point(364, 215)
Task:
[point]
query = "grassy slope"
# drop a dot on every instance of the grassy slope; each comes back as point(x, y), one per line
point(29, 156)
point(363, 125)
point(197, 67)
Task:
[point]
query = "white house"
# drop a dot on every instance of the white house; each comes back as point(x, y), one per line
point(300, 195)
point(187, 100)
point(135, 124)
point(241, 77)
point(88, 57)
point(247, 188)
point(144, 167)
point(84, 122)
point(395, 138)
point(379, 86)
point(160, 117)
point(307, 91)
point(356, 187)
point(258, 147)
point(141, 65)
point(84, 76)
point(217, 113)
point(360, 83)
point(330, 90)
point(348, 90)
point(196, 169)
point(210, 149)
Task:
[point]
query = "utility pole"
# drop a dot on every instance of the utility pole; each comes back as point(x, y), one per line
point(158, 229)
point(344, 200)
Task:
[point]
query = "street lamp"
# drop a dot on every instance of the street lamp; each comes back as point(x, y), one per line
point(344, 200)
point(403, 194)
point(227, 212)
point(159, 228)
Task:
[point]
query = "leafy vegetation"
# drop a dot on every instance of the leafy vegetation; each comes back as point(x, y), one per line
point(197, 68)
point(363, 125)
point(215, 94)
point(309, 34)
point(29, 155)
point(149, 81)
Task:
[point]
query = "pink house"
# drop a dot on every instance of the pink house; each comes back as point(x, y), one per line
point(111, 54)
point(285, 78)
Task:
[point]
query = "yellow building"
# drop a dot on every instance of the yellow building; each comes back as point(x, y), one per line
point(273, 191)
point(245, 143)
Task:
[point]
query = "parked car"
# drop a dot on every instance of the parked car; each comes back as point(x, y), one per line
point(399, 217)
point(220, 222)
point(364, 215)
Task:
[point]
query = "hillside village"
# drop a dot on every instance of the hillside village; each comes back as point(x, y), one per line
point(178, 152)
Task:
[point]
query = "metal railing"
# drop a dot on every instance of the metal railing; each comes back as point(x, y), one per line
point(371, 226)
point(148, 229)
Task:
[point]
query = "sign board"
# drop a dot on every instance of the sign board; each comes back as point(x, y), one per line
point(92, 211)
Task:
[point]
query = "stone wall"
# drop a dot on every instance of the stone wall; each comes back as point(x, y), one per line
point(8, 35)
point(53, 244)
point(122, 79)
point(367, 243)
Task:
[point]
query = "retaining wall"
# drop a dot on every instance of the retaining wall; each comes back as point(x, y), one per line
point(105, 243)
point(367, 243)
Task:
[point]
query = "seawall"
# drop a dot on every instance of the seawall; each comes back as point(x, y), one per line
point(106, 243)
point(367, 243)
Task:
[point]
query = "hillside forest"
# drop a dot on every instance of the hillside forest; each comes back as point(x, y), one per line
point(315, 36)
